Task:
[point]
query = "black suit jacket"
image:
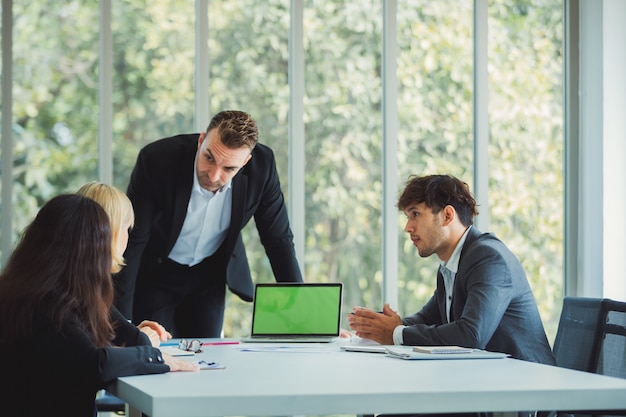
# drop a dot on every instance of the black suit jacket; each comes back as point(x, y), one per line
point(492, 308)
point(58, 372)
point(160, 188)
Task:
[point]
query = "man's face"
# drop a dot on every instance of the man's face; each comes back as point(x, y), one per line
point(217, 164)
point(425, 229)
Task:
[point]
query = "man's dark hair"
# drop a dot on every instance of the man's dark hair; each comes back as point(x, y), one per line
point(438, 191)
point(236, 129)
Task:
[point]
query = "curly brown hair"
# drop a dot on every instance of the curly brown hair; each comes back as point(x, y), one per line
point(438, 191)
point(236, 128)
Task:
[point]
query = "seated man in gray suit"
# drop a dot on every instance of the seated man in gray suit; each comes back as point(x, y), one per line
point(482, 300)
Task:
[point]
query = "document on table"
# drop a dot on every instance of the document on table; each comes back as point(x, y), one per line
point(209, 365)
point(407, 352)
point(436, 350)
point(358, 344)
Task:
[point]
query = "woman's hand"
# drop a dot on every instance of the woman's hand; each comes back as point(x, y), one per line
point(154, 331)
point(178, 365)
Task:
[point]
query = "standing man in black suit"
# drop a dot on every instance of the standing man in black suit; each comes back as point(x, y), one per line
point(192, 195)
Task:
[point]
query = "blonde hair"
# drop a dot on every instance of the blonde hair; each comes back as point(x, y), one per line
point(118, 207)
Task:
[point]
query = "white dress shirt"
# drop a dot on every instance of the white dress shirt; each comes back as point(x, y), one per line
point(448, 270)
point(206, 224)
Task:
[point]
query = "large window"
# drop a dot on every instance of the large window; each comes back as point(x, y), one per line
point(55, 96)
point(526, 142)
point(525, 130)
point(56, 116)
point(435, 117)
point(153, 77)
point(248, 61)
point(344, 147)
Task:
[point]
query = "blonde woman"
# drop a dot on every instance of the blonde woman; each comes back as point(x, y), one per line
point(122, 217)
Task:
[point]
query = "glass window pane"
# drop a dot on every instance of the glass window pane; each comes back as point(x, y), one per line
point(435, 69)
point(526, 142)
point(343, 128)
point(55, 93)
point(248, 62)
point(153, 76)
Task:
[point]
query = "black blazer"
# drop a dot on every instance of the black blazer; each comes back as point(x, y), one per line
point(58, 373)
point(160, 188)
point(492, 308)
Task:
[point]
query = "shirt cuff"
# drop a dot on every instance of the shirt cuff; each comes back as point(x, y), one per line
point(397, 335)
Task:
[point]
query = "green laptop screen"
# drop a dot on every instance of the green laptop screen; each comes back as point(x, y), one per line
point(297, 309)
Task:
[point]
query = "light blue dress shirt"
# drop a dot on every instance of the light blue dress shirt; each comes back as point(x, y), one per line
point(206, 224)
point(448, 270)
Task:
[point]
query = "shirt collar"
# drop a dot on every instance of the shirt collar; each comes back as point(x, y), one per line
point(453, 262)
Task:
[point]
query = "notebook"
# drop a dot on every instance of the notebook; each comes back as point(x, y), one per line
point(365, 348)
point(409, 353)
point(358, 344)
point(296, 312)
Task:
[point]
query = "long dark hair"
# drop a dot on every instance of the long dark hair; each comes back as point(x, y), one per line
point(63, 262)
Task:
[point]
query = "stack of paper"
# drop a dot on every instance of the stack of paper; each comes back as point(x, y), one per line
point(442, 349)
point(409, 352)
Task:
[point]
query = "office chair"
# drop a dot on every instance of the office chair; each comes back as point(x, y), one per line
point(610, 352)
point(610, 355)
point(591, 337)
point(575, 340)
point(109, 403)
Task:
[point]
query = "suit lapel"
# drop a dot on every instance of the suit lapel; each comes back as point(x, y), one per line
point(239, 193)
point(473, 234)
point(441, 297)
point(183, 183)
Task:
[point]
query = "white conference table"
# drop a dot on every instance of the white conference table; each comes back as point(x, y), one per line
point(320, 379)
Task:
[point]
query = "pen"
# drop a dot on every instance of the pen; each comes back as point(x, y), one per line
point(218, 343)
point(379, 312)
point(225, 342)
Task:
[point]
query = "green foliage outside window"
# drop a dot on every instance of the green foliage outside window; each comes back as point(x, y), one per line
point(55, 90)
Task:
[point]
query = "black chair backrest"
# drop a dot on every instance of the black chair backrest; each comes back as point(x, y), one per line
point(591, 337)
point(610, 355)
point(575, 340)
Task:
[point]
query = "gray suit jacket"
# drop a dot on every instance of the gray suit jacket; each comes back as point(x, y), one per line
point(493, 306)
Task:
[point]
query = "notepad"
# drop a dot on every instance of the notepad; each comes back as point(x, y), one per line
point(408, 353)
point(442, 349)
point(364, 348)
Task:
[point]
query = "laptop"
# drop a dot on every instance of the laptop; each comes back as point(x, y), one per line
point(296, 312)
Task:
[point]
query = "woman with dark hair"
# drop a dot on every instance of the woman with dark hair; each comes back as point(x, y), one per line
point(56, 334)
